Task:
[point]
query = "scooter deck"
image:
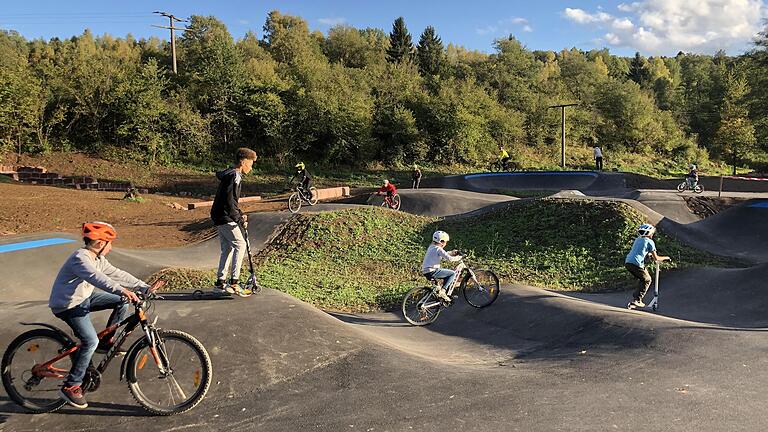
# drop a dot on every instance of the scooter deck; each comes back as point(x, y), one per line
point(210, 295)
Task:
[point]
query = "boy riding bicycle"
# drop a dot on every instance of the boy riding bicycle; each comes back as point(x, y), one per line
point(230, 222)
point(504, 158)
point(693, 176)
point(430, 267)
point(305, 180)
point(390, 189)
point(635, 261)
point(73, 298)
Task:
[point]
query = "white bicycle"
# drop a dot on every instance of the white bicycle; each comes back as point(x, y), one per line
point(480, 287)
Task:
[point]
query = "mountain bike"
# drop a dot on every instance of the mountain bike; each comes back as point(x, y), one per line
point(299, 196)
point(497, 166)
point(689, 184)
point(391, 202)
point(167, 371)
point(480, 287)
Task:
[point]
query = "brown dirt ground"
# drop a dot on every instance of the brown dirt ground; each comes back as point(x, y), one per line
point(153, 223)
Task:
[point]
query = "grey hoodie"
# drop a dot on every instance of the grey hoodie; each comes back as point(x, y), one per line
point(81, 273)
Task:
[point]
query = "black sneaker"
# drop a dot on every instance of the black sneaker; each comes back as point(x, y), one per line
point(74, 396)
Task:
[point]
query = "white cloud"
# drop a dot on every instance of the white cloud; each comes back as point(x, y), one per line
point(243, 22)
point(612, 39)
point(486, 30)
point(657, 27)
point(582, 17)
point(505, 27)
point(332, 21)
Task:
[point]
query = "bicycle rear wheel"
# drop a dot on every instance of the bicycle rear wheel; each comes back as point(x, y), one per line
point(35, 393)
point(312, 196)
point(682, 186)
point(183, 383)
point(294, 202)
point(420, 306)
point(481, 291)
point(396, 201)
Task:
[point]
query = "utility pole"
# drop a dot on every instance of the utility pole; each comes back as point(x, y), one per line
point(562, 131)
point(171, 18)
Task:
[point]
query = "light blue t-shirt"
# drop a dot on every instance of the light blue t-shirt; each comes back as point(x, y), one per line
point(640, 248)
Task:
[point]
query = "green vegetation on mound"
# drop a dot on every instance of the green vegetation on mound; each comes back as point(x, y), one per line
point(367, 258)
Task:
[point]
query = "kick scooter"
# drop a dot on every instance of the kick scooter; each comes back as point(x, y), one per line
point(654, 303)
point(251, 285)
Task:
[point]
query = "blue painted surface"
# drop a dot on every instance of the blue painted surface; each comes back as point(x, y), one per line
point(761, 204)
point(13, 247)
point(528, 174)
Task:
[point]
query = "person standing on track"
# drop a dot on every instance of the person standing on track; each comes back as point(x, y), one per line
point(635, 261)
point(416, 177)
point(598, 158)
point(230, 221)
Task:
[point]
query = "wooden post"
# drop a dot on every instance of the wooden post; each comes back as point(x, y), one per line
point(719, 193)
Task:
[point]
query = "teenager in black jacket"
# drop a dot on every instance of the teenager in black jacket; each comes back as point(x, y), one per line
point(229, 219)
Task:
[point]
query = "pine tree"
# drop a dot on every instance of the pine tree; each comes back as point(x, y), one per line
point(638, 70)
point(430, 53)
point(400, 44)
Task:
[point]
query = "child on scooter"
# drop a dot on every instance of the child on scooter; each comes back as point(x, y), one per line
point(635, 261)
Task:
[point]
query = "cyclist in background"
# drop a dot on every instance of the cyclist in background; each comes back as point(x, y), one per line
point(389, 188)
point(305, 180)
point(504, 158)
point(693, 176)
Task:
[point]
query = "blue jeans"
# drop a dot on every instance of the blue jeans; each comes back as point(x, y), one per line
point(77, 318)
point(447, 275)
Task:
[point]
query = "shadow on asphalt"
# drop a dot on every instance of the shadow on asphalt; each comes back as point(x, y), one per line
point(98, 409)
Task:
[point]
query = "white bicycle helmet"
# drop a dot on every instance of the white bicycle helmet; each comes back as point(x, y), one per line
point(693, 166)
point(646, 230)
point(386, 182)
point(439, 236)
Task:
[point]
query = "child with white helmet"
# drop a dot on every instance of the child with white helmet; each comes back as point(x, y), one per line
point(635, 261)
point(436, 253)
point(693, 176)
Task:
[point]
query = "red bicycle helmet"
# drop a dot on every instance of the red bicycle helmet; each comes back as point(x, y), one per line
point(99, 231)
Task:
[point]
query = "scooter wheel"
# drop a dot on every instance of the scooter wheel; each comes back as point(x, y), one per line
point(197, 295)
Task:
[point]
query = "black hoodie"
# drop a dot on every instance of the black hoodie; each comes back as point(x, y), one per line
point(225, 209)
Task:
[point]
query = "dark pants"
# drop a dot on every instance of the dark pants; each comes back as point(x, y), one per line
point(305, 185)
point(599, 163)
point(644, 280)
point(416, 181)
point(77, 318)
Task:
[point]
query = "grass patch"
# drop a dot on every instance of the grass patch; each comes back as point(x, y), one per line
point(366, 259)
point(6, 179)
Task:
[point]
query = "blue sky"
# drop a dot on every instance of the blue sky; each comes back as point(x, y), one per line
point(653, 27)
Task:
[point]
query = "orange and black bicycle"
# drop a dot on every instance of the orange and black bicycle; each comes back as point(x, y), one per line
point(167, 371)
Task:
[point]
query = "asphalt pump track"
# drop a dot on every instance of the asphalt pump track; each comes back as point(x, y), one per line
point(535, 360)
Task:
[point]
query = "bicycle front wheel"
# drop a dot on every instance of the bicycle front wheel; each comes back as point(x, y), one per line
point(294, 202)
point(312, 196)
point(180, 383)
point(482, 290)
point(420, 306)
point(698, 188)
point(34, 392)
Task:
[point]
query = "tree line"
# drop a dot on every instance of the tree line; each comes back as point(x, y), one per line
point(361, 95)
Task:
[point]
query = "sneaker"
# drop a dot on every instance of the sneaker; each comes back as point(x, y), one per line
point(74, 396)
point(637, 303)
point(240, 291)
point(443, 295)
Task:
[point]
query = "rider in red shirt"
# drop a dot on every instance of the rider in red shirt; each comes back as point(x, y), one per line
point(389, 188)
